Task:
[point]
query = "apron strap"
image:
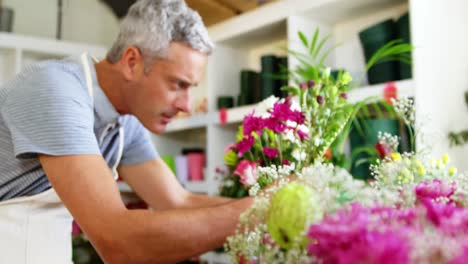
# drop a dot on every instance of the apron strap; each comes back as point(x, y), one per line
point(87, 71)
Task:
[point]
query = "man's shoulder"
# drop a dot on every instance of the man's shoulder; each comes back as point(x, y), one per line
point(55, 73)
point(53, 78)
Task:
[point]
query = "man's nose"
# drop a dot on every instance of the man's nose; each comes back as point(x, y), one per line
point(183, 102)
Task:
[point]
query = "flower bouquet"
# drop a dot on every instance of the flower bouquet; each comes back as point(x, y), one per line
point(414, 211)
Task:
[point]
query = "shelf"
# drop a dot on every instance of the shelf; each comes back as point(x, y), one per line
point(198, 186)
point(236, 115)
point(405, 88)
point(270, 20)
point(190, 122)
point(124, 187)
point(48, 46)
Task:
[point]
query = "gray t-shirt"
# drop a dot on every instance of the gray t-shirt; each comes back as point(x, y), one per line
point(47, 109)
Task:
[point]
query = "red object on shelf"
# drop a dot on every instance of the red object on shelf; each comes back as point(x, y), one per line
point(390, 91)
point(223, 113)
point(196, 163)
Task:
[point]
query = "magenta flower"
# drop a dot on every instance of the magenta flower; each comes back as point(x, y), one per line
point(311, 83)
point(302, 135)
point(270, 152)
point(436, 212)
point(298, 117)
point(303, 85)
point(282, 110)
point(431, 190)
point(358, 235)
point(247, 171)
point(76, 230)
point(244, 145)
point(344, 95)
point(253, 123)
point(456, 223)
point(461, 259)
point(275, 125)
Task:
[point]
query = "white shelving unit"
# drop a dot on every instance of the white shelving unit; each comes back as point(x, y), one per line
point(439, 65)
point(17, 51)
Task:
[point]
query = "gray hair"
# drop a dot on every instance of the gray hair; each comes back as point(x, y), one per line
point(151, 25)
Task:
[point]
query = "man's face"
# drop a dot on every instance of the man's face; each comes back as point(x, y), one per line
point(164, 91)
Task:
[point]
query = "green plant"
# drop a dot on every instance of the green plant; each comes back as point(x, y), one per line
point(300, 135)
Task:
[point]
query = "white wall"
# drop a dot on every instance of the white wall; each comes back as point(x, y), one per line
point(89, 21)
point(441, 70)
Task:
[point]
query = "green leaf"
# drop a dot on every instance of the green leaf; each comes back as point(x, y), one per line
point(290, 89)
point(392, 50)
point(303, 38)
point(319, 47)
point(314, 41)
point(325, 55)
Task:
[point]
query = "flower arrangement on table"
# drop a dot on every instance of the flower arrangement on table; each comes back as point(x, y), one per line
point(414, 211)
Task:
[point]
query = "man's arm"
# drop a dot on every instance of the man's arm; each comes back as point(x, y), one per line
point(86, 186)
point(155, 183)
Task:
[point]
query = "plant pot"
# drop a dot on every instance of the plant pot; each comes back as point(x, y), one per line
point(225, 102)
point(250, 89)
point(403, 32)
point(6, 19)
point(372, 39)
point(369, 138)
point(269, 68)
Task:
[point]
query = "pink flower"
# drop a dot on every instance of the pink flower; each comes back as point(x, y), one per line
point(302, 135)
point(76, 230)
point(430, 190)
point(244, 145)
point(360, 235)
point(275, 125)
point(282, 112)
point(270, 152)
point(253, 123)
point(461, 259)
point(247, 171)
point(229, 147)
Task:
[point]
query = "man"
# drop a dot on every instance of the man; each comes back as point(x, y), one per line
point(68, 127)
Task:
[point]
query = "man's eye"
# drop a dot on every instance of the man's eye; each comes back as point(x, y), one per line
point(182, 85)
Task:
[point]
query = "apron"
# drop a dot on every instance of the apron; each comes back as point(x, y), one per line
point(37, 229)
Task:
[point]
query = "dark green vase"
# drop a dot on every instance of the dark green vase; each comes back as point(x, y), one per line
point(403, 31)
point(372, 39)
point(368, 138)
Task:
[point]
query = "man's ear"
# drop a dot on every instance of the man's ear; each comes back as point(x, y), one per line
point(132, 63)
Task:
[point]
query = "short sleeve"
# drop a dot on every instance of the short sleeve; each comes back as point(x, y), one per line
point(138, 146)
point(50, 112)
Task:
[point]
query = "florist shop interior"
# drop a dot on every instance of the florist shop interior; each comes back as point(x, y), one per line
point(345, 121)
